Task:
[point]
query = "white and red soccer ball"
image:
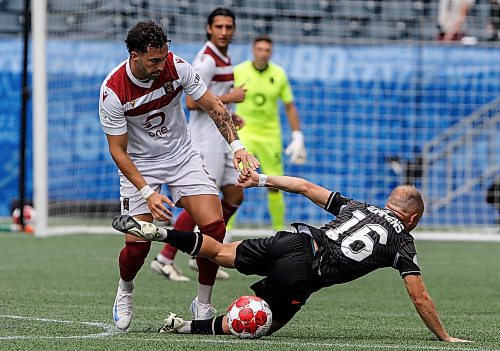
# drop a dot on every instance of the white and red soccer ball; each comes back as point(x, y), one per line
point(249, 317)
point(29, 214)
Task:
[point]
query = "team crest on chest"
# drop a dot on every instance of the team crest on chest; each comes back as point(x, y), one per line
point(168, 87)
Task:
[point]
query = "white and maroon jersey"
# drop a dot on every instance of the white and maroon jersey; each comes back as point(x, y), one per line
point(217, 73)
point(150, 112)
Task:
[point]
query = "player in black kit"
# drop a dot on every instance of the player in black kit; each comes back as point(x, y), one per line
point(361, 239)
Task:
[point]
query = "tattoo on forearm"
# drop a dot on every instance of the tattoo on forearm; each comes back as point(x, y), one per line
point(224, 123)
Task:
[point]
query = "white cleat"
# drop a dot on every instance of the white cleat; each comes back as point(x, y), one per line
point(201, 311)
point(169, 271)
point(122, 309)
point(172, 324)
point(142, 229)
point(221, 274)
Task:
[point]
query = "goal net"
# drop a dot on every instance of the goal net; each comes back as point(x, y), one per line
point(381, 102)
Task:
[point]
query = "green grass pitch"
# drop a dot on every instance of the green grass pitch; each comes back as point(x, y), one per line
point(56, 294)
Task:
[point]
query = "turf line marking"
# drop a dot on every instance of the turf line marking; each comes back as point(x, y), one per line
point(109, 330)
point(278, 342)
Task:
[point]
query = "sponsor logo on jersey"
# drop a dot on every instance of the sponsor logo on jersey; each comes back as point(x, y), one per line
point(104, 95)
point(259, 99)
point(197, 78)
point(154, 126)
point(154, 121)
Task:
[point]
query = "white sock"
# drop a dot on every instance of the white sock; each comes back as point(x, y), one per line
point(126, 286)
point(164, 259)
point(205, 294)
point(185, 329)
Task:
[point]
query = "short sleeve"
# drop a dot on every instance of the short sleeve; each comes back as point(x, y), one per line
point(111, 113)
point(286, 93)
point(191, 82)
point(335, 203)
point(406, 261)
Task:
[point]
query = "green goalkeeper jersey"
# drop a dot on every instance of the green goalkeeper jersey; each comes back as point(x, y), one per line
point(264, 88)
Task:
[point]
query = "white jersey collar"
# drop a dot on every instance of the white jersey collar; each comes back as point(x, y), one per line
point(134, 79)
point(217, 51)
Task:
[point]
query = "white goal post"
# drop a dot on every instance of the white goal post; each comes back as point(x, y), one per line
point(39, 35)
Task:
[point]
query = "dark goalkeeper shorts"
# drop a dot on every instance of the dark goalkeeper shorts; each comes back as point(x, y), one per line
point(285, 260)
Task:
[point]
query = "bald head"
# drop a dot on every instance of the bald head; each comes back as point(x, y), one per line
point(408, 203)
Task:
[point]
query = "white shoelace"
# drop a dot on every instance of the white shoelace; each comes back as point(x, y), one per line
point(205, 309)
point(124, 303)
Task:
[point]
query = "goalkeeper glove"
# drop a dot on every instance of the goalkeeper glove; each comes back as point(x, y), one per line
point(296, 149)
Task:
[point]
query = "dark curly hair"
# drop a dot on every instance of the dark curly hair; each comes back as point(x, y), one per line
point(146, 34)
point(220, 11)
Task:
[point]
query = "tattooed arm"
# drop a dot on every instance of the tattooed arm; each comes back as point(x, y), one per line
point(221, 117)
point(224, 122)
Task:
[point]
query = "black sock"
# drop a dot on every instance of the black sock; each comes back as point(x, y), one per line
point(188, 242)
point(212, 326)
point(218, 326)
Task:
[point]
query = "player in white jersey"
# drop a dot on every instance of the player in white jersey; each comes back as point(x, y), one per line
point(213, 64)
point(141, 113)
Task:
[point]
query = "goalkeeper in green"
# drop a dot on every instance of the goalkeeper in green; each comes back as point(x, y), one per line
point(265, 83)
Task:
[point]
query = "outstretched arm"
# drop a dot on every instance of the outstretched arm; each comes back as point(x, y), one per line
point(313, 192)
point(426, 308)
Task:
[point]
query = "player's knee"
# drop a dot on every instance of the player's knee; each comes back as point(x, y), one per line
point(216, 230)
point(137, 249)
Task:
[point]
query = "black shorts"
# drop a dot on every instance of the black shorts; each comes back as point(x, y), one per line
point(285, 260)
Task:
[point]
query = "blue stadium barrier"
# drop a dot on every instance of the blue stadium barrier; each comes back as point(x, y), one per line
point(391, 97)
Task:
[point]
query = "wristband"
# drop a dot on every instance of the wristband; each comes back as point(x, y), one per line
point(236, 145)
point(146, 192)
point(262, 179)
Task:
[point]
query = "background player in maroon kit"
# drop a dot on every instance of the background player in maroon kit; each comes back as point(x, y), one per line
point(213, 64)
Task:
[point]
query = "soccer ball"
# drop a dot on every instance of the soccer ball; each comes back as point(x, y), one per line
point(249, 317)
point(29, 214)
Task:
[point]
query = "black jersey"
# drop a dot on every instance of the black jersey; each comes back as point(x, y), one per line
point(361, 239)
